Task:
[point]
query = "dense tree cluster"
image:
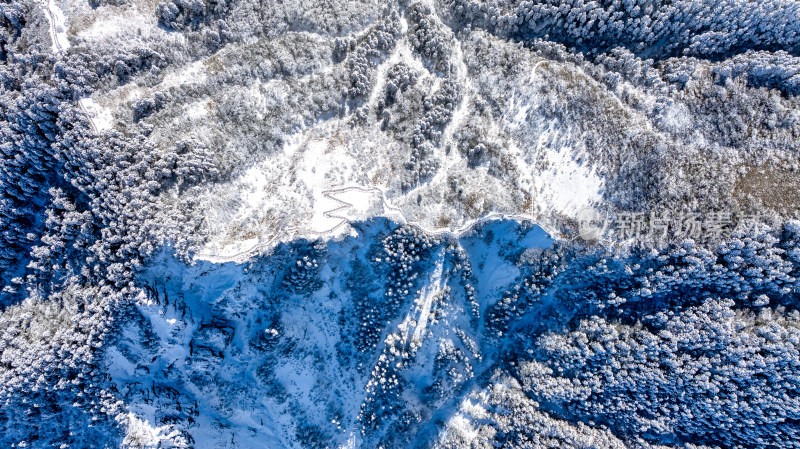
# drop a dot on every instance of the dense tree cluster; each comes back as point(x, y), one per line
point(502, 414)
point(411, 363)
point(428, 39)
point(146, 106)
point(78, 217)
point(438, 110)
point(706, 28)
point(190, 14)
point(302, 276)
point(268, 331)
point(709, 374)
point(50, 377)
point(399, 78)
point(741, 268)
point(778, 70)
point(383, 397)
point(405, 250)
point(29, 127)
point(368, 51)
point(650, 347)
point(395, 335)
point(400, 260)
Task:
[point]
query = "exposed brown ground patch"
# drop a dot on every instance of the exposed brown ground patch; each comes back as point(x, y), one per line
point(776, 188)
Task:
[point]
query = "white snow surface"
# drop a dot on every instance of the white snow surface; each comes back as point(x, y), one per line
point(192, 73)
point(58, 26)
point(121, 24)
point(313, 184)
point(199, 322)
point(566, 186)
point(559, 184)
point(318, 184)
point(100, 117)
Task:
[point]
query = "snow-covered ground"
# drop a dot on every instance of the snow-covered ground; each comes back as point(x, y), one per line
point(559, 184)
point(58, 26)
point(317, 185)
point(100, 117)
point(565, 185)
point(203, 322)
point(326, 195)
point(311, 189)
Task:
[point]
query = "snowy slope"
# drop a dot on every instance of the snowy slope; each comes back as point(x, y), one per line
point(273, 352)
point(351, 224)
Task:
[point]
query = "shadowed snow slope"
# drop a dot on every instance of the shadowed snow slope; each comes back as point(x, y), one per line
point(329, 342)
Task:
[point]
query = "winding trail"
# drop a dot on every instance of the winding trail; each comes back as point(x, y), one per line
point(261, 247)
point(60, 44)
point(52, 17)
point(390, 211)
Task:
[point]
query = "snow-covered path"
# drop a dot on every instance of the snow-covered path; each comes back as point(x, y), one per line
point(60, 43)
point(340, 196)
point(337, 206)
point(343, 200)
point(58, 26)
point(431, 289)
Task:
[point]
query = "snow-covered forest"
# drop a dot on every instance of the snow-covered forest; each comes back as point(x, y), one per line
point(355, 224)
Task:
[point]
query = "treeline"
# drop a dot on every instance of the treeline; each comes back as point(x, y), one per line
point(651, 28)
point(78, 216)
